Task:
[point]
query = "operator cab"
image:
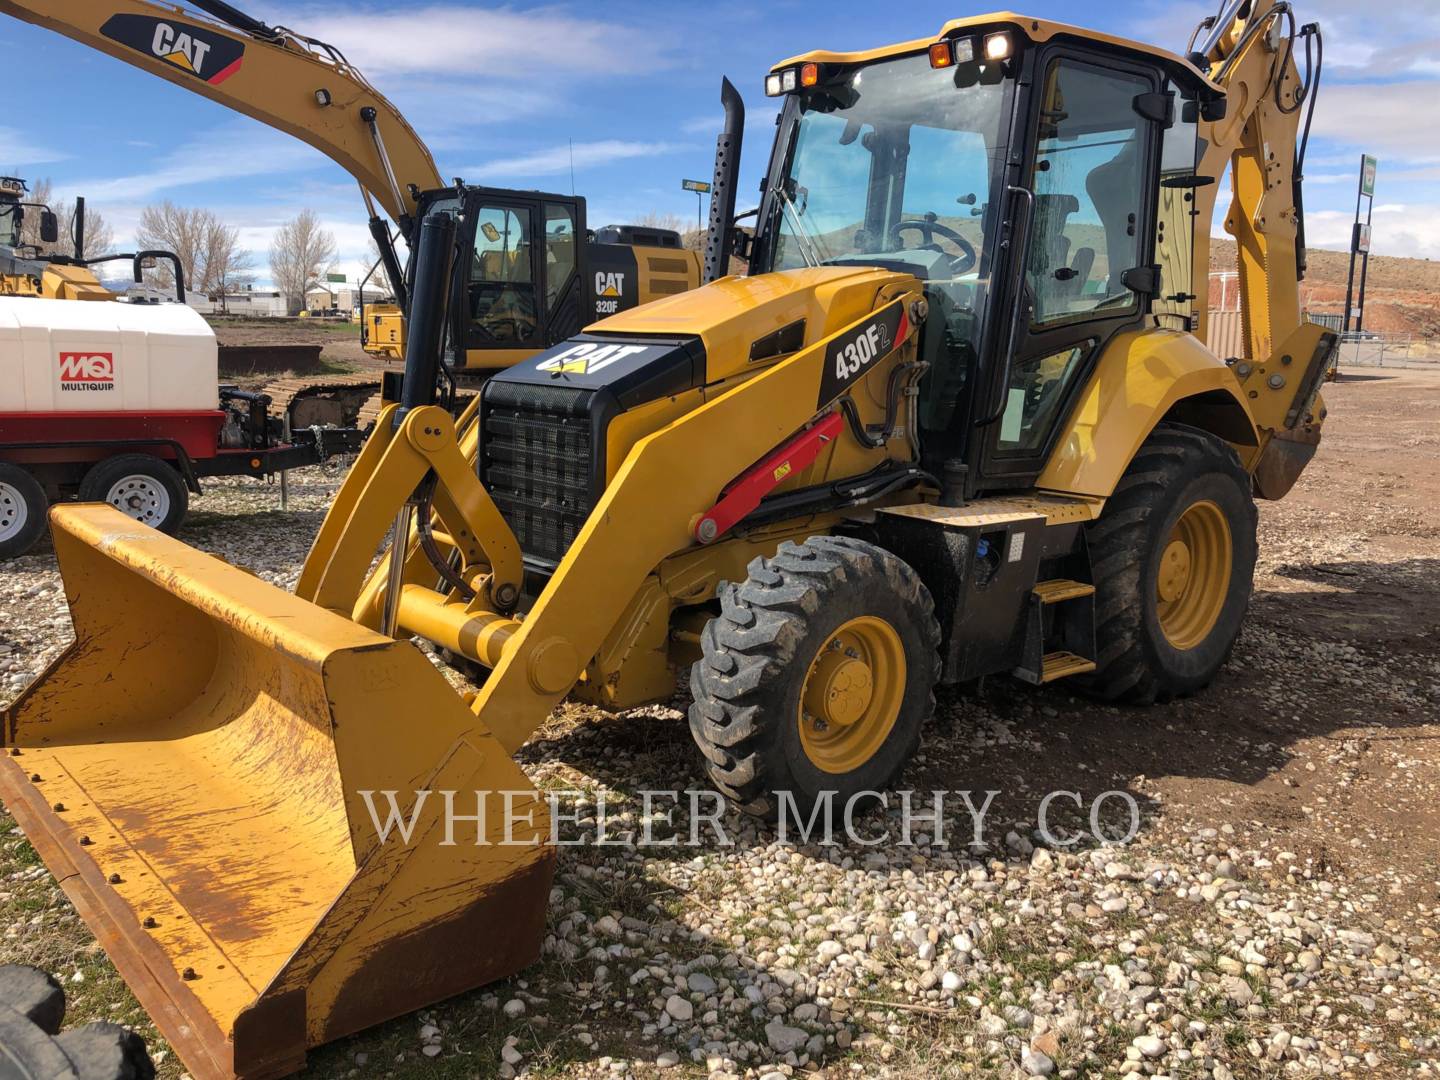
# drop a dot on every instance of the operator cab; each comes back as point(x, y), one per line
point(12, 216)
point(1035, 178)
point(538, 276)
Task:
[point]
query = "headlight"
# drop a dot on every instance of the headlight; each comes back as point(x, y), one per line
point(997, 47)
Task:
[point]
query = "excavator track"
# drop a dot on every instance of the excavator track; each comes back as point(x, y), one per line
point(327, 400)
point(340, 400)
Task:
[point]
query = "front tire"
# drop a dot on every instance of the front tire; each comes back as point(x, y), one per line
point(1173, 557)
point(22, 511)
point(816, 677)
point(140, 486)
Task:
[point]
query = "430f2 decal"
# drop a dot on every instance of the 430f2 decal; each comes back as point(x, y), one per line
point(850, 355)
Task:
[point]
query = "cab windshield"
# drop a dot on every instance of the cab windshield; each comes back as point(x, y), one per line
point(896, 163)
point(902, 166)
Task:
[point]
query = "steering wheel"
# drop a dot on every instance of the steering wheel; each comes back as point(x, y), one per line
point(506, 328)
point(928, 230)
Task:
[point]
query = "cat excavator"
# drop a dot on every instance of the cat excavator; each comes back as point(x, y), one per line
point(955, 422)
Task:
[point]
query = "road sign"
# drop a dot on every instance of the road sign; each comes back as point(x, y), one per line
point(697, 186)
point(1368, 168)
point(335, 279)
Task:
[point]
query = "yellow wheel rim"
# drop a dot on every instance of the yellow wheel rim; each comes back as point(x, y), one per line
point(852, 694)
point(1193, 577)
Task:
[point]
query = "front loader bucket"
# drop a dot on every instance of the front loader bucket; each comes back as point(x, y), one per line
point(194, 771)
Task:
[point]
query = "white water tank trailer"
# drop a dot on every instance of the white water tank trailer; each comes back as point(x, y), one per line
point(64, 356)
point(118, 402)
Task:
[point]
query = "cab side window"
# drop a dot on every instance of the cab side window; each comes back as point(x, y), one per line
point(502, 291)
point(559, 250)
point(1089, 182)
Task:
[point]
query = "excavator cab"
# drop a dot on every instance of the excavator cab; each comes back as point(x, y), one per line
point(534, 274)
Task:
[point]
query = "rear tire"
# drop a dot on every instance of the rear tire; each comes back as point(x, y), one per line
point(816, 677)
point(143, 487)
point(22, 511)
point(1173, 557)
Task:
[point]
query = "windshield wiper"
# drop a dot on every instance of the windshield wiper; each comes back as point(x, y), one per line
point(803, 237)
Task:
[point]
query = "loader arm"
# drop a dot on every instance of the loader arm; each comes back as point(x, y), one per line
point(286, 80)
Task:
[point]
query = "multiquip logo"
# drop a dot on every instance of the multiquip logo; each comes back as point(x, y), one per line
point(87, 371)
point(195, 50)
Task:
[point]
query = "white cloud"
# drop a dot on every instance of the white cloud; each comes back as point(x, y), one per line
point(1411, 231)
point(229, 152)
point(557, 159)
point(16, 150)
point(1397, 120)
point(458, 40)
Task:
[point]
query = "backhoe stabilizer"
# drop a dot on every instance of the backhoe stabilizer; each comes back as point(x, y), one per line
point(227, 782)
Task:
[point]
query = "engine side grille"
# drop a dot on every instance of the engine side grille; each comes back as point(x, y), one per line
point(540, 463)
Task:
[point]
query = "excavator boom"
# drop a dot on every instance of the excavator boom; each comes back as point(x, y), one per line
point(291, 82)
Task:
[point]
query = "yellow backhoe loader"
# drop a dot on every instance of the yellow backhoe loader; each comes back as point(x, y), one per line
point(955, 422)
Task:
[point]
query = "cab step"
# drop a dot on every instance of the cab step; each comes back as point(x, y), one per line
point(1059, 632)
point(1060, 590)
point(1062, 665)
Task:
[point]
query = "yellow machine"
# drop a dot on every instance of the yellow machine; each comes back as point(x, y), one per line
point(955, 422)
point(27, 271)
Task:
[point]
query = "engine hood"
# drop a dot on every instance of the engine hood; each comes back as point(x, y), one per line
point(726, 329)
point(745, 322)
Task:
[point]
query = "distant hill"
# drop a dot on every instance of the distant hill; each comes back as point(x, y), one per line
point(1403, 295)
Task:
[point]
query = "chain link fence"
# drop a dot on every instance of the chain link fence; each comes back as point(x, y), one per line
point(1375, 350)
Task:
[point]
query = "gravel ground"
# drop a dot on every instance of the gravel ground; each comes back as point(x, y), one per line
point(1275, 914)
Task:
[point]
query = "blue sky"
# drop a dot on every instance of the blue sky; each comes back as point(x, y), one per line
point(499, 92)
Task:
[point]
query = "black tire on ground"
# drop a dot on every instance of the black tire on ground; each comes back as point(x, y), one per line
point(32, 1047)
point(22, 510)
point(1177, 468)
point(747, 686)
point(145, 487)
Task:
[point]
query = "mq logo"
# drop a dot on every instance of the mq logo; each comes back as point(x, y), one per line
point(87, 371)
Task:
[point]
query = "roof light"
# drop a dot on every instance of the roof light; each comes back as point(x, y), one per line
point(788, 80)
point(997, 47)
point(809, 74)
point(772, 85)
point(965, 51)
point(941, 55)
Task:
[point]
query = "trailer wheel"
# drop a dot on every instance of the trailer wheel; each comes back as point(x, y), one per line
point(22, 510)
point(816, 677)
point(1174, 561)
point(146, 488)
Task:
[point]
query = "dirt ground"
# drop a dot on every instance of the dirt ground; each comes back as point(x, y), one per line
point(341, 340)
point(1277, 914)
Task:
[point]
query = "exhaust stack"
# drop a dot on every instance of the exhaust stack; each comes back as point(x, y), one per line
point(719, 240)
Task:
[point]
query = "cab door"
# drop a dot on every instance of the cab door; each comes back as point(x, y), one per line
point(563, 272)
point(1091, 172)
point(499, 302)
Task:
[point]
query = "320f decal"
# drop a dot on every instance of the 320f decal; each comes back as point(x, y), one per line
point(851, 355)
point(195, 50)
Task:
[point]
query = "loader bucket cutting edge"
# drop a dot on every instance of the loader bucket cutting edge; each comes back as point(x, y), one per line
point(191, 770)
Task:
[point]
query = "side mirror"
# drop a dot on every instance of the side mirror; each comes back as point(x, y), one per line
point(49, 227)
